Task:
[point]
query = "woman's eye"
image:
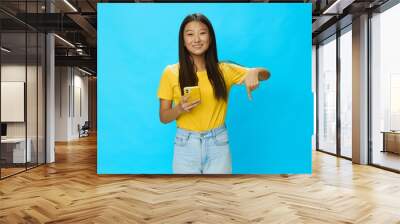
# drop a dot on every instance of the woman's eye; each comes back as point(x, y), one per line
point(189, 34)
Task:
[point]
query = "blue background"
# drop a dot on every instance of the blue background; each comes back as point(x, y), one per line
point(269, 135)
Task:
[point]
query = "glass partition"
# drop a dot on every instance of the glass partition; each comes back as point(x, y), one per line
point(41, 87)
point(22, 88)
point(327, 95)
point(32, 95)
point(346, 93)
point(14, 153)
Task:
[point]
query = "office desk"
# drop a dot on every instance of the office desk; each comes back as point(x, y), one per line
point(16, 147)
point(391, 141)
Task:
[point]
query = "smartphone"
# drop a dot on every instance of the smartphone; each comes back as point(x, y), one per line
point(193, 92)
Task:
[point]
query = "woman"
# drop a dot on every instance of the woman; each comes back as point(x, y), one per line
point(201, 142)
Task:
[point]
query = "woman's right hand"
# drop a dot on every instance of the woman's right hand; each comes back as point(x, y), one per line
point(186, 106)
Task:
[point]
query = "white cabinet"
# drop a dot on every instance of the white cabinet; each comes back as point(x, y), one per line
point(18, 149)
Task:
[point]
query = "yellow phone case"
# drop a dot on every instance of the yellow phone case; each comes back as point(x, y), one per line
point(193, 92)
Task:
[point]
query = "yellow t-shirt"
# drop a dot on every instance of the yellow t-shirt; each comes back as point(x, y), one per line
point(210, 113)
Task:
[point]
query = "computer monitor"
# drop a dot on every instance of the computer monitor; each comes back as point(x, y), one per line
point(3, 129)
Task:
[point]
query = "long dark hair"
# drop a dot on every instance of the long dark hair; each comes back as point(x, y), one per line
point(187, 75)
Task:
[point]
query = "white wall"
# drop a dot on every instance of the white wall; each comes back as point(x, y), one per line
point(62, 81)
point(79, 112)
point(12, 73)
point(71, 94)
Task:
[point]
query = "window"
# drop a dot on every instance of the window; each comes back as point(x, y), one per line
point(327, 95)
point(385, 88)
point(346, 92)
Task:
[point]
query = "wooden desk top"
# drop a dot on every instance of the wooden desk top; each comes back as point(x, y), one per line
point(13, 140)
point(390, 132)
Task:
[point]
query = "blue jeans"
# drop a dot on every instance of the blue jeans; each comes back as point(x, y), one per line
point(205, 152)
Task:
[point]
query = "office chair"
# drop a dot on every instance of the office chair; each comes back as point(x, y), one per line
point(84, 130)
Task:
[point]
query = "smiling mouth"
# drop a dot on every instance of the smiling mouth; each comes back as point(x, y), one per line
point(197, 46)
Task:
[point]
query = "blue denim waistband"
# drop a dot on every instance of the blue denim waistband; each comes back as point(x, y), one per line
point(201, 134)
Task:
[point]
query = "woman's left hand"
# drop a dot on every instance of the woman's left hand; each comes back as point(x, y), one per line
point(251, 82)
